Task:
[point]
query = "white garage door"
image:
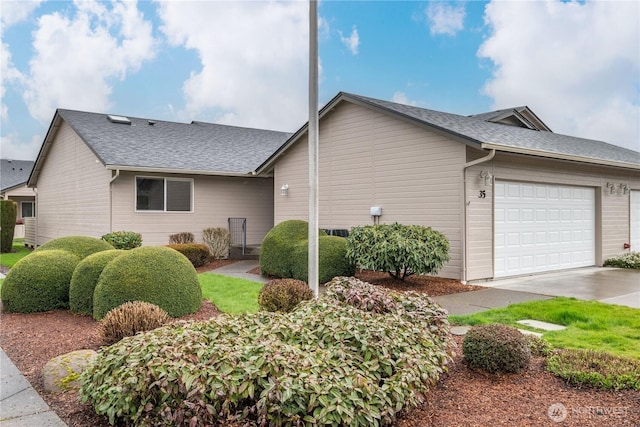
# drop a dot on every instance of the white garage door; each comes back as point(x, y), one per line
point(635, 221)
point(541, 227)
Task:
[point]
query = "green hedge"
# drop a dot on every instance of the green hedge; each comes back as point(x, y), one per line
point(8, 215)
point(123, 239)
point(85, 278)
point(284, 253)
point(154, 274)
point(332, 259)
point(39, 282)
point(80, 246)
point(197, 254)
point(278, 245)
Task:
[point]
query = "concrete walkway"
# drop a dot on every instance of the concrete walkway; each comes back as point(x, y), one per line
point(20, 404)
point(475, 301)
point(241, 269)
point(605, 284)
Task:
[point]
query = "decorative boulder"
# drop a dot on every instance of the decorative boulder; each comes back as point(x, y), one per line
point(62, 373)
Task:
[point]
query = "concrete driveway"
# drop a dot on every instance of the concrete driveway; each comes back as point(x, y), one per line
point(611, 285)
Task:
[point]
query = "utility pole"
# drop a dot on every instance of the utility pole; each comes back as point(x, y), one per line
point(312, 134)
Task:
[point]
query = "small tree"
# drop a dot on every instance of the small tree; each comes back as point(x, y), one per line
point(401, 250)
point(8, 213)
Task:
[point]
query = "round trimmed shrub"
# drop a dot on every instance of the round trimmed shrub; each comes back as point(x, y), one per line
point(80, 246)
point(39, 282)
point(283, 295)
point(129, 319)
point(277, 247)
point(496, 348)
point(154, 274)
point(85, 278)
point(332, 259)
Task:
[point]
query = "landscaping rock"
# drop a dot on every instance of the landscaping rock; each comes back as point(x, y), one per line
point(61, 373)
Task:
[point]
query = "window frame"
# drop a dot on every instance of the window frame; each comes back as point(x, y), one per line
point(33, 208)
point(164, 180)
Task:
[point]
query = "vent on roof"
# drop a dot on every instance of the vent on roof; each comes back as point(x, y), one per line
point(119, 119)
point(151, 122)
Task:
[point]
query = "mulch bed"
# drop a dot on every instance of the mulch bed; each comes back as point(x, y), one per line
point(463, 397)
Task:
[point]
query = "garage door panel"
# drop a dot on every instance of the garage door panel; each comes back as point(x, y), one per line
point(540, 227)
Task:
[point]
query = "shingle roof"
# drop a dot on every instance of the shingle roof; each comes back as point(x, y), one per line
point(476, 129)
point(193, 147)
point(14, 173)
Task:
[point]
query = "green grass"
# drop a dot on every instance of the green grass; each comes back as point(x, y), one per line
point(590, 324)
point(230, 294)
point(9, 259)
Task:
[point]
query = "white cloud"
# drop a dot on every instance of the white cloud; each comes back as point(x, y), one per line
point(444, 18)
point(14, 11)
point(577, 65)
point(352, 42)
point(77, 57)
point(254, 60)
point(401, 98)
point(13, 148)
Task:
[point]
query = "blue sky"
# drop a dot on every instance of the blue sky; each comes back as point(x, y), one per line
point(576, 64)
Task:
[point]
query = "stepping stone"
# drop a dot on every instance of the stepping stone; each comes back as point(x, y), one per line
point(525, 332)
point(459, 330)
point(542, 325)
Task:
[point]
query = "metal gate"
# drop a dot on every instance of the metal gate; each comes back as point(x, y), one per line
point(238, 231)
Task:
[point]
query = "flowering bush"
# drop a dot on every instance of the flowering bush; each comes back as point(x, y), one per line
point(630, 260)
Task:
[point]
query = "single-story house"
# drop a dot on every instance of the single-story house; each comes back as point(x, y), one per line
point(511, 196)
point(98, 173)
point(13, 186)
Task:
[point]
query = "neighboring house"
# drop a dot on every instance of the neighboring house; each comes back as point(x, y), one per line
point(511, 196)
point(13, 182)
point(98, 173)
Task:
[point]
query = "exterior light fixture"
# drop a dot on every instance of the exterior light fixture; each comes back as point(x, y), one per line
point(486, 177)
point(284, 190)
point(624, 189)
point(611, 187)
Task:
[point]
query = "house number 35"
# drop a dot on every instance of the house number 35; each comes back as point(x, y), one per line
point(483, 194)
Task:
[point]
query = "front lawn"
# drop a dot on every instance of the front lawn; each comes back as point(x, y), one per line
point(9, 259)
point(590, 324)
point(230, 294)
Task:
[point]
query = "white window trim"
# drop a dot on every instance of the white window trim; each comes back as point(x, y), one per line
point(135, 194)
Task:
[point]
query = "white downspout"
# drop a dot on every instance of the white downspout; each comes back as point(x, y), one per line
point(467, 165)
point(113, 178)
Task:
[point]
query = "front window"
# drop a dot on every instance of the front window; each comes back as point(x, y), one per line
point(27, 209)
point(164, 194)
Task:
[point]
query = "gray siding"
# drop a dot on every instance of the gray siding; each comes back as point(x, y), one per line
point(215, 199)
point(73, 190)
point(370, 159)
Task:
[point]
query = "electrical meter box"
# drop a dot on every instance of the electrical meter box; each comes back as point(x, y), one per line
point(376, 211)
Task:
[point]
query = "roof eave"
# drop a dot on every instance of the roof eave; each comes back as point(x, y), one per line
point(56, 122)
point(560, 156)
point(142, 169)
